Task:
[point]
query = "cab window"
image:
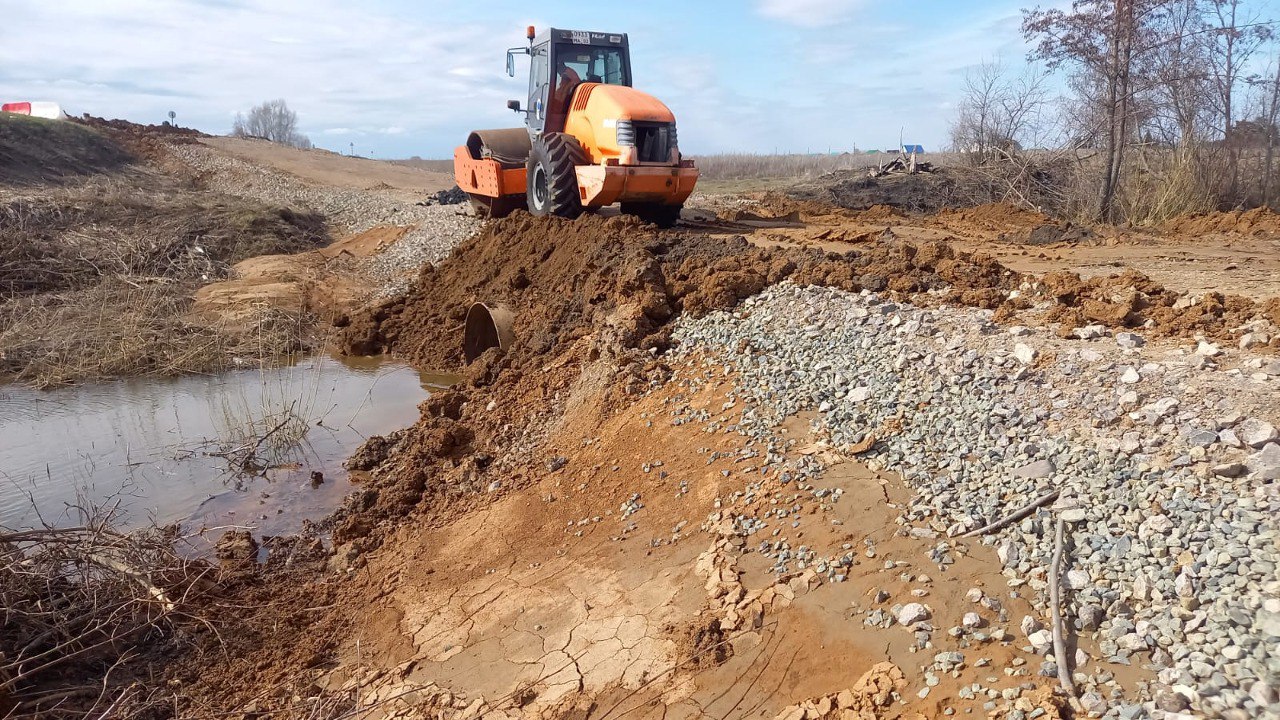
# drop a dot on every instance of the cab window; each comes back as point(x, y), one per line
point(595, 64)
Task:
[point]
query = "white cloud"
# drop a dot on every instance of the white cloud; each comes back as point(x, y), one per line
point(340, 65)
point(355, 72)
point(809, 13)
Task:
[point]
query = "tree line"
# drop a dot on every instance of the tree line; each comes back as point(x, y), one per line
point(1164, 111)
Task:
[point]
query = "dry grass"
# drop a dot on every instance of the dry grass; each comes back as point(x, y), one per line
point(38, 151)
point(79, 605)
point(133, 225)
point(1163, 184)
point(96, 279)
point(748, 166)
point(1158, 184)
point(123, 328)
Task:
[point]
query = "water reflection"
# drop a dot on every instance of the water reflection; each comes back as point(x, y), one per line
point(175, 449)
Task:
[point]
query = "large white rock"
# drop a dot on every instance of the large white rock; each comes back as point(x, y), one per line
point(1038, 470)
point(912, 613)
point(1265, 464)
point(1256, 433)
point(1041, 640)
point(1205, 349)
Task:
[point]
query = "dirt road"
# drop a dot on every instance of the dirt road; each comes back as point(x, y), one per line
point(1230, 253)
point(331, 169)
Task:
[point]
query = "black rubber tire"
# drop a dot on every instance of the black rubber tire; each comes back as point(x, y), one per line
point(495, 207)
point(660, 214)
point(552, 179)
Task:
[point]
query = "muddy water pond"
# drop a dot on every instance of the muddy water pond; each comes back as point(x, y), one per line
point(254, 448)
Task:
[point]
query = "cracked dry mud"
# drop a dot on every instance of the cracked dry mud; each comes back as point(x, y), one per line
point(532, 612)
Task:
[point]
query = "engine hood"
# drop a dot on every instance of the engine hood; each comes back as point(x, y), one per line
point(597, 111)
point(621, 103)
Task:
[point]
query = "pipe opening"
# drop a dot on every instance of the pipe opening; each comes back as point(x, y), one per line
point(487, 326)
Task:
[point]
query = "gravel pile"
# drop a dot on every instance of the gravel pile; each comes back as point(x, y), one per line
point(431, 241)
point(352, 209)
point(1163, 460)
point(439, 221)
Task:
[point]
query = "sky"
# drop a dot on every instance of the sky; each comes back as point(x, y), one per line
point(398, 78)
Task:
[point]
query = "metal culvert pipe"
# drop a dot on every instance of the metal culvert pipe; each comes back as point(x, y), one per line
point(487, 326)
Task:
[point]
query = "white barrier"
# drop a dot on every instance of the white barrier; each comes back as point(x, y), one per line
point(48, 110)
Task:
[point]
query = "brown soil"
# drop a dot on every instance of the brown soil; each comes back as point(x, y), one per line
point(1180, 297)
point(599, 292)
point(334, 170)
point(556, 608)
point(536, 599)
point(1259, 221)
point(319, 283)
point(997, 217)
point(564, 279)
point(485, 566)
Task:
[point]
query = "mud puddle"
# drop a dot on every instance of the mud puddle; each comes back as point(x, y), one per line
point(240, 448)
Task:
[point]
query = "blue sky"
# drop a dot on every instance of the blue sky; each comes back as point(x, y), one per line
point(402, 77)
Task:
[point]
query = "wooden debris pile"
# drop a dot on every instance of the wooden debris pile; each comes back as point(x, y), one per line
point(903, 164)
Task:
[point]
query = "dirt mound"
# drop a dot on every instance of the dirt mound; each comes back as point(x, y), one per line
point(1131, 299)
point(303, 285)
point(880, 213)
point(854, 190)
point(592, 300)
point(779, 207)
point(167, 129)
point(532, 438)
point(1009, 224)
point(33, 150)
point(999, 217)
point(565, 280)
point(365, 244)
point(875, 690)
point(1258, 221)
point(595, 292)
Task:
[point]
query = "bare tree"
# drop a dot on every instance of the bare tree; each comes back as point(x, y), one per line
point(274, 121)
point(1175, 76)
point(1104, 40)
point(1263, 104)
point(998, 115)
point(1233, 40)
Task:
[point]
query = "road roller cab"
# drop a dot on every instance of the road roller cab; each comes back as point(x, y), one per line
point(590, 139)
